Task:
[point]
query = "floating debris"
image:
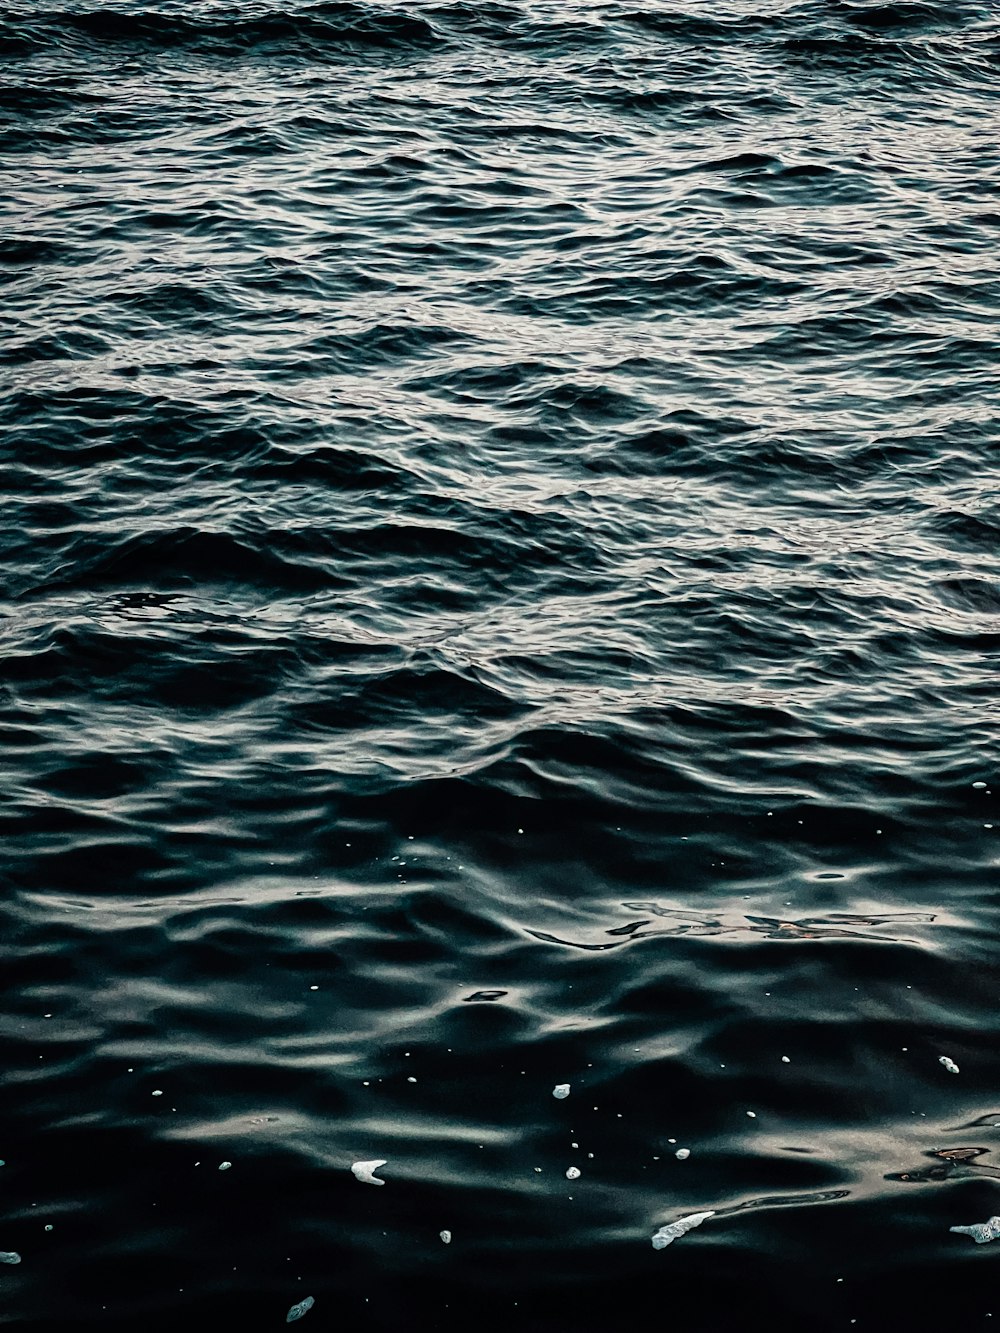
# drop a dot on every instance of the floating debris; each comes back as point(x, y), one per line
point(445, 1236)
point(682, 1154)
point(950, 1065)
point(363, 1172)
point(785, 1060)
point(485, 995)
point(573, 1173)
point(224, 1166)
point(560, 1092)
point(9, 1257)
point(158, 1092)
point(48, 1226)
point(979, 786)
point(668, 1234)
point(297, 1311)
point(981, 1232)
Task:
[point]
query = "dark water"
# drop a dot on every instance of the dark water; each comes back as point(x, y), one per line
point(502, 554)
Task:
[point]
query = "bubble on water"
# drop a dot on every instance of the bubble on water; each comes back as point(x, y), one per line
point(950, 1065)
point(297, 1311)
point(573, 1173)
point(560, 1092)
point(668, 1234)
point(981, 1232)
point(363, 1171)
point(445, 1236)
point(9, 1257)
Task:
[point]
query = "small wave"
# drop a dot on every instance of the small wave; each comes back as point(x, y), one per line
point(310, 29)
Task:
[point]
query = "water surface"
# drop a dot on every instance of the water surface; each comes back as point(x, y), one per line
point(502, 557)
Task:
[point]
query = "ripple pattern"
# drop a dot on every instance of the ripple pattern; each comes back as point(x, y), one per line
point(503, 589)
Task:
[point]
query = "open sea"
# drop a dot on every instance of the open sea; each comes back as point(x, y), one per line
point(500, 669)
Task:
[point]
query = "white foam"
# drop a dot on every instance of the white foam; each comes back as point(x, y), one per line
point(363, 1172)
point(668, 1234)
point(981, 1232)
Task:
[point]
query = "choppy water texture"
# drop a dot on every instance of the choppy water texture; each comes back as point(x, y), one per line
point(502, 560)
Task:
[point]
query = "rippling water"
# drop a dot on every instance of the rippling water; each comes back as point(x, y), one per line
point(503, 589)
